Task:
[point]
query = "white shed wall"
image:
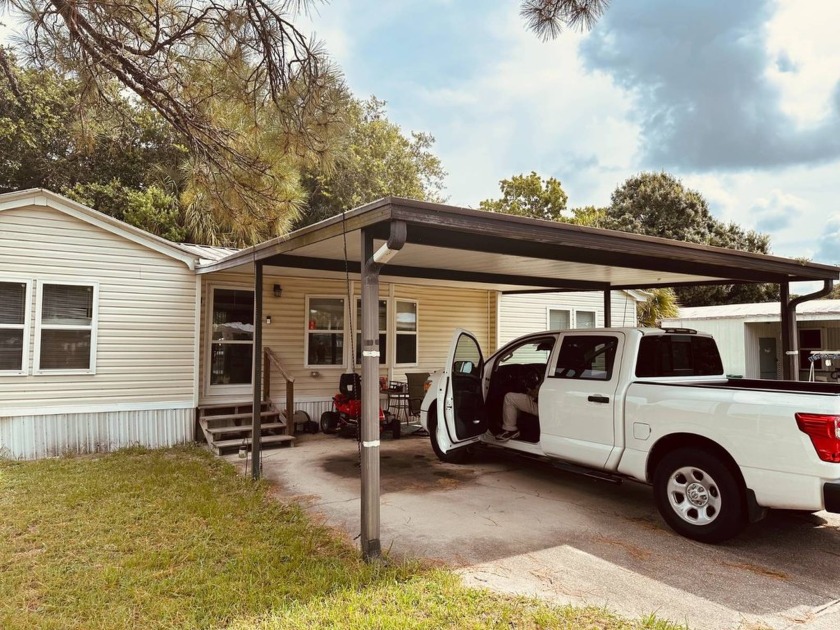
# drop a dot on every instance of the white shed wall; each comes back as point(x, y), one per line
point(729, 335)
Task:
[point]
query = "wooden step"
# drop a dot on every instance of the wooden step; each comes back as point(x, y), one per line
point(265, 440)
point(244, 427)
point(245, 415)
point(227, 405)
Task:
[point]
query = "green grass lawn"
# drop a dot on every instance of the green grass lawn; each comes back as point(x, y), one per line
point(176, 539)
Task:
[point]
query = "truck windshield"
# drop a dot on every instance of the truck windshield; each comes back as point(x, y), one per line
point(678, 355)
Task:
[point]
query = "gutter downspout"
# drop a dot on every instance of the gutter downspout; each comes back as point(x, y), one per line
point(791, 365)
point(372, 264)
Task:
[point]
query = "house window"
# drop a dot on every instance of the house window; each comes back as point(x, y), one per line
point(565, 319)
point(383, 332)
point(325, 331)
point(559, 319)
point(809, 339)
point(406, 329)
point(14, 323)
point(65, 339)
point(584, 319)
point(232, 340)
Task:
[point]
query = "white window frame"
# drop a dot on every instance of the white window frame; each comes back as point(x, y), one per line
point(307, 333)
point(26, 327)
point(573, 312)
point(219, 390)
point(566, 309)
point(587, 310)
point(94, 327)
point(415, 333)
point(390, 349)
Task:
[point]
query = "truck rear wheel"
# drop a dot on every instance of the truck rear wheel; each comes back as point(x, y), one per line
point(698, 496)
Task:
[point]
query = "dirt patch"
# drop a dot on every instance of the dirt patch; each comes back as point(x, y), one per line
point(759, 570)
point(417, 473)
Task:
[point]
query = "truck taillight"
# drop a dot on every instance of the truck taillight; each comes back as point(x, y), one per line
point(824, 431)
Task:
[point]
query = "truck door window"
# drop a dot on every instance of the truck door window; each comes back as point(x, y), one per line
point(588, 357)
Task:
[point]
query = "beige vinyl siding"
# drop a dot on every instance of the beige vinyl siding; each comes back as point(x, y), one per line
point(146, 312)
point(439, 312)
point(525, 313)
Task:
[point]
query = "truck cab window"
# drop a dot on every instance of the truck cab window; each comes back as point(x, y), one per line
point(678, 355)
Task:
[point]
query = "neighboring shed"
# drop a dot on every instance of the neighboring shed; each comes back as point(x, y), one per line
point(523, 313)
point(749, 335)
point(98, 344)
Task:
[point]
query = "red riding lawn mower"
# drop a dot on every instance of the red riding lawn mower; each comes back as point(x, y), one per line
point(346, 415)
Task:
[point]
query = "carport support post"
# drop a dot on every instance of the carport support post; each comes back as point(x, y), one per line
point(607, 308)
point(257, 402)
point(370, 401)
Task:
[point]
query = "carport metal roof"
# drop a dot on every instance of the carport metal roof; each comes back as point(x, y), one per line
point(439, 243)
point(459, 245)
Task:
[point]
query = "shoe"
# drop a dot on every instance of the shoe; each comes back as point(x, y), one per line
point(507, 435)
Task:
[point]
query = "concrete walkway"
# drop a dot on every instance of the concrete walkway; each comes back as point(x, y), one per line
point(523, 527)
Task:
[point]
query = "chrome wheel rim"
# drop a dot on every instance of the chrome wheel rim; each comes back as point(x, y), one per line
point(694, 496)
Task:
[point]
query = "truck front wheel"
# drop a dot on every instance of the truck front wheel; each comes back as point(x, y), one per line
point(698, 496)
point(458, 456)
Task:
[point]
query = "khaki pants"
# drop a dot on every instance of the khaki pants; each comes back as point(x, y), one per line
point(514, 403)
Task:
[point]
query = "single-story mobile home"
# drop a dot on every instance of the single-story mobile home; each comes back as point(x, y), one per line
point(110, 336)
point(749, 335)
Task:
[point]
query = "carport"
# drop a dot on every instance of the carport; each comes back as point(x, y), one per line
point(434, 243)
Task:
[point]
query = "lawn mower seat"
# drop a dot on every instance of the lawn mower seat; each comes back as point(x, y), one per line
point(351, 386)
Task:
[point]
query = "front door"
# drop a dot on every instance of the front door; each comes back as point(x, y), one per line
point(462, 405)
point(231, 352)
point(767, 360)
point(577, 399)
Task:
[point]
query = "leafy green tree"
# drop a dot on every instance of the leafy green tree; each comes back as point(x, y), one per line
point(373, 159)
point(225, 76)
point(529, 196)
point(150, 209)
point(657, 204)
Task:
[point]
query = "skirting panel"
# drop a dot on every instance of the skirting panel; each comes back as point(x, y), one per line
point(35, 437)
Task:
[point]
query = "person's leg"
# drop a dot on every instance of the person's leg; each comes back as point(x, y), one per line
point(514, 403)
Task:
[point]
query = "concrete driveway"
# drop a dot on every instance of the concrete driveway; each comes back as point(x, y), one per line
point(523, 527)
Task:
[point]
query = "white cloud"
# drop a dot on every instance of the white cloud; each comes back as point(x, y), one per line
point(803, 33)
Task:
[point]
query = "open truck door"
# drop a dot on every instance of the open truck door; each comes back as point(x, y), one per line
point(462, 405)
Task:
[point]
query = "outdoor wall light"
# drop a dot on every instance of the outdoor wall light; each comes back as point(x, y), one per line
point(278, 290)
point(268, 319)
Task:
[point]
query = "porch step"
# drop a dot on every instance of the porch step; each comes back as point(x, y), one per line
point(245, 415)
point(229, 405)
point(268, 426)
point(223, 419)
point(278, 440)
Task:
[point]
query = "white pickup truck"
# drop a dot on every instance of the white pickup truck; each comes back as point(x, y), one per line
point(653, 406)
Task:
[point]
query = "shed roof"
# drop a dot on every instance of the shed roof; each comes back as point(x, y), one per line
point(474, 247)
point(764, 311)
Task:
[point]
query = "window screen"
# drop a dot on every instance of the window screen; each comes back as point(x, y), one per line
point(66, 327)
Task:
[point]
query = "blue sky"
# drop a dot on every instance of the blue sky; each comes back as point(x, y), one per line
point(741, 100)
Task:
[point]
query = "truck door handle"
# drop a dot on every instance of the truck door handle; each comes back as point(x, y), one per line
point(598, 398)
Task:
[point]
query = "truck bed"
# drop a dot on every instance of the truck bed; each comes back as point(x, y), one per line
point(826, 389)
